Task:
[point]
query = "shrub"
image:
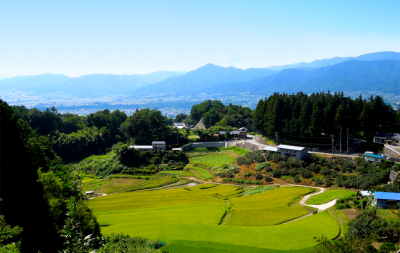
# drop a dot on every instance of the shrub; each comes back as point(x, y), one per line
point(267, 178)
point(258, 176)
point(297, 179)
point(342, 206)
point(248, 174)
point(318, 181)
point(387, 247)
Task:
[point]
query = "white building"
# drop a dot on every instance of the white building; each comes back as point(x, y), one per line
point(180, 125)
point(293, 151)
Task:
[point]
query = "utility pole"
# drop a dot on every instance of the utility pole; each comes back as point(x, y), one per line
point(332, 143)
point(340, 140)
point(277, 137)
point(347, 150)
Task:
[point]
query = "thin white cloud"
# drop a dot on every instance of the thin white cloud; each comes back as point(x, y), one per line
point(372, 33)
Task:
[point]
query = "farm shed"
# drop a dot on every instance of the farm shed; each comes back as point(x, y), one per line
point(363, 194)
point(177, 149)
point(270, 149)
point(293, 151)
point(374, 158)
point(385, 199)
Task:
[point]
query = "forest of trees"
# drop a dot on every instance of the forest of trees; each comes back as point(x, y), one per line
point(323, 114)
point(36, 190)
point(75, 137)
point(214, 112)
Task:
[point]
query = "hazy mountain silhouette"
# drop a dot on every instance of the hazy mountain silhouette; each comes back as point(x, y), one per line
point(329, 62)
point(203, 79)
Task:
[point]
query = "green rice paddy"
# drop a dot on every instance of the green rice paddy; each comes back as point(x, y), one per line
point(212, 160)
point(328, 196)
point(268, 208)
point(188, 219)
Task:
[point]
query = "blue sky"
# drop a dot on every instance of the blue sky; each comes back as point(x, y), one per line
point(137, 37)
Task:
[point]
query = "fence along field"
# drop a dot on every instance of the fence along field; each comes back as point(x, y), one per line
point(190, 216)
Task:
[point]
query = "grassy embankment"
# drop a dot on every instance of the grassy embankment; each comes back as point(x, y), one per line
point(328, 196)
point(188, 219)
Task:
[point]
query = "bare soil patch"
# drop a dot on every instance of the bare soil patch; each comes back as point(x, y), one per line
point(351, 213)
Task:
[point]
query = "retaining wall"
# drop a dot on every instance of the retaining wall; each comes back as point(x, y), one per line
point(248, 145)
point(260, 140)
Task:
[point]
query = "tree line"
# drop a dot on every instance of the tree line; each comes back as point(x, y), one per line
point(215, 113)
point(323, 114)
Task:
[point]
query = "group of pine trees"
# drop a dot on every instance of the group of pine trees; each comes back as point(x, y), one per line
point(323, 114)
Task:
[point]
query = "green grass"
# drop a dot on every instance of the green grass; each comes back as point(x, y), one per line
point(187, 219)
point(340, 218)
point(328, 196)
point(115, 183)
point(268, 208)
point(203, 172)
point(212, 160)
point(240, 151)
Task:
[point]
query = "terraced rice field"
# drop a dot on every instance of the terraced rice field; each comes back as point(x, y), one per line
point(268, 208)
point(212, 160)
point(328, 196)
point(188, 219)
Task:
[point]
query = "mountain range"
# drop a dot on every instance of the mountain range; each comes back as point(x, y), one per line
point(95, 85)
point(378, 72)
point(329, 62)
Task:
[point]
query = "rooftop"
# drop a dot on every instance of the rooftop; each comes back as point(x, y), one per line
point(376, 156)
point(141, 147)
point(387, 195)
point(291, 147)
point(158, 142)
point(394, 159)
point(269, 148)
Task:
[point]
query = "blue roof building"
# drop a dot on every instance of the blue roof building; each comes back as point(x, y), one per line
point(384, 199)
point(374, 158)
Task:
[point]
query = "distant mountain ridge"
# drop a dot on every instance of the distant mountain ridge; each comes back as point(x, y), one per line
point(351, 75)
point(388, 55)
point(378, 72)
point(94, 85)
point(203, 79)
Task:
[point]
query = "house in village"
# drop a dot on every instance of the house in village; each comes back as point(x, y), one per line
point(293, 151)
point(290, 151)
point(370, 157)
point(387, 138)
point(155, 145)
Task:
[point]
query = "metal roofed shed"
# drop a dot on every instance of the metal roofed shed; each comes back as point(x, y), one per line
point(293, 151)
point(374, 158)
point(177, 149)
point(385, 199)
point(364, 194)
point(270, 149)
